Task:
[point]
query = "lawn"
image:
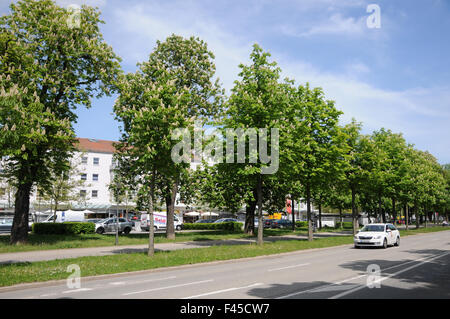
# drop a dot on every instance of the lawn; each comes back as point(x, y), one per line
point(12, 274)
point(48, 242)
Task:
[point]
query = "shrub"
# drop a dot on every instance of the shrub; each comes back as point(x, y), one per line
point(67, 228)
point(230, 226)
point(345, 225)
point(301, 224)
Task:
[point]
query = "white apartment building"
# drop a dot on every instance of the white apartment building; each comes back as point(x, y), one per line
point(93, 163)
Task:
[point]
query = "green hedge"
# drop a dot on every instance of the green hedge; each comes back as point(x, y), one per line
point(301, 224)
point(231, 226)
point(67, 228)
point(345, 225)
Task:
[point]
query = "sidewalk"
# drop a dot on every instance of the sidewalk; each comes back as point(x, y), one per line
point(43, 255)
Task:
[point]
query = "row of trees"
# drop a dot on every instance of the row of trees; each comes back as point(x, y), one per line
point(319, 160)
point(49, 67)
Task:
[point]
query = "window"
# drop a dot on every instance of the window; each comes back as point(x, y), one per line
point(84, 160)
point(95, 177)
point(83, 177)
point(94, 194)
point(96, 160)
point(83, 193)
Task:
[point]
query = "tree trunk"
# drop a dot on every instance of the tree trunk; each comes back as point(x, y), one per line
point(341, 218)
point(308, 213)
point(380, 210)
point(293, 214)
point(56, 209)
point(320, 216)
point(354, 212)
point(151, 228)
point(394, 212)
point(19, 231)
point(260, 211)
point(117, 226)
point(416, 213)
point(249, 227)
point(406, 210)
point(426, 216)
point(170, 229)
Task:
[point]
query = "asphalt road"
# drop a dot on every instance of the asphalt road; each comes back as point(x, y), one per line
point(419, 268)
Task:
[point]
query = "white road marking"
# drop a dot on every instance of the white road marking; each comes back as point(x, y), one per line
point(288, 267)
point(330, 287)
point(118, 283)
point(168, 287)
point(76, 290)
point(48, 295)
point(222, 291)
point(424, 260)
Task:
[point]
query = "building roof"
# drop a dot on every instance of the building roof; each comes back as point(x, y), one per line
point(95, 145)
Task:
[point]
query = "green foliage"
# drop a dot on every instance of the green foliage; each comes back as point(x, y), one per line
point(344, 225)
point(301, 224)
point(67, 228)
point(47, 69)
point(229, 226)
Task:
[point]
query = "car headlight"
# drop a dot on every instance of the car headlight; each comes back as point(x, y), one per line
point(378, 237)
point(356, 237)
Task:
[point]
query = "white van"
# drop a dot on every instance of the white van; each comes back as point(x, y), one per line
point(160, 221)
point(66, 216)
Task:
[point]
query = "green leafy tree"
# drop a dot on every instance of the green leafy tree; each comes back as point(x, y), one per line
point(190, 66)
point(149, 111)
point(316, 143)
point(257, 102)
point(168, 92)
point(47, 68)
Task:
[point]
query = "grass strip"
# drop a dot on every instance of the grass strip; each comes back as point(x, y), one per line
point(49, 242)
point(11, 274)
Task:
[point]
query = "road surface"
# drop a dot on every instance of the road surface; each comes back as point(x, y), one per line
point(419, 268)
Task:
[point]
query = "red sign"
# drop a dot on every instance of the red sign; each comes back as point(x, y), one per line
point(288, 206)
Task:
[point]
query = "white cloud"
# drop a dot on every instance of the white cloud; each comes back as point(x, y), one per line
point(92, 3)
point(157, 21)
point(336, 24)
point(422, 114)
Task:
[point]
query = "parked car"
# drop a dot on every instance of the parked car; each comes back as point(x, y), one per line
point(109, 225)
point(226, 220)
point(202, 221)
point(93, 220)
point(6, 225)
point(281, 223)
point(268, 223)
point(377, 235)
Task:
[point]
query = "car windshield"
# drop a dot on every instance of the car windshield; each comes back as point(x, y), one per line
point(373, 228)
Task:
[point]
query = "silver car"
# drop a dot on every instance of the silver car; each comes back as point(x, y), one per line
point(109, 225)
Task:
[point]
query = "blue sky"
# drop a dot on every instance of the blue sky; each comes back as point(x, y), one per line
point(396, 76)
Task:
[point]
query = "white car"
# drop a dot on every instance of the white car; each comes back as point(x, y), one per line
point(377, 235)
